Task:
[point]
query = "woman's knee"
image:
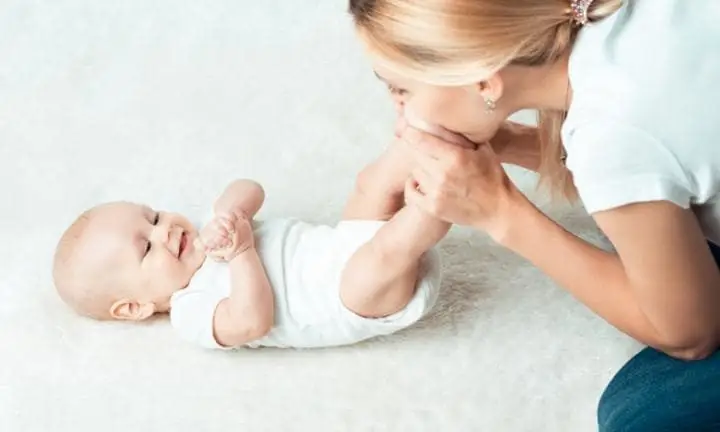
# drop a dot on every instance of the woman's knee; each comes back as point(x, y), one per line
point(654, 392)
point(614, 413)
point(614, 410)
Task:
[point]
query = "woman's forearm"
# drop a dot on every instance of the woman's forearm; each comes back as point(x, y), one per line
point(518, 144)
point(642, 290)
point(593, 276)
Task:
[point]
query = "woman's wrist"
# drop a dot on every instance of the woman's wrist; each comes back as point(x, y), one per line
point(514, 213)
point(518, 144)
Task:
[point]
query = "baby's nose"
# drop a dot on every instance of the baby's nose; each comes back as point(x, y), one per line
point(162, 233)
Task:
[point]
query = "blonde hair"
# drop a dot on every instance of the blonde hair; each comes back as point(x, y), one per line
point(460, 42)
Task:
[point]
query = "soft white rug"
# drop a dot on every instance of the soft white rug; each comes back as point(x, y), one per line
point(165, 101)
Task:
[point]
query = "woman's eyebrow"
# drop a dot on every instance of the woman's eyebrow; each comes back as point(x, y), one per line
point(377, 75)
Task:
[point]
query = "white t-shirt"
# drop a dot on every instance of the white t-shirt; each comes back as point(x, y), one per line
point(644, 124)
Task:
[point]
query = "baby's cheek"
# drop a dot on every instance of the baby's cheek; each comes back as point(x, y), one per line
point(191, 262)
point(168, 265)
point(180, 274)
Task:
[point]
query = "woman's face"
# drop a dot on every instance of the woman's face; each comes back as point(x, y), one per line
point(459, 109)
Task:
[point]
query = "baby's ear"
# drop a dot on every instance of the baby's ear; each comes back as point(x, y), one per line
point(131, 310)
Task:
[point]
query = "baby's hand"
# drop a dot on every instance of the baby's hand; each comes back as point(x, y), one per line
point(226, 236)
point(216, 237)
point(244, 238)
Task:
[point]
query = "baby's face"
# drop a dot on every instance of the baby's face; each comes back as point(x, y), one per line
point(149, 253)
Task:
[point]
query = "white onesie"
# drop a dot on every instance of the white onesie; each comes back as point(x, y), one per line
point(304, 263)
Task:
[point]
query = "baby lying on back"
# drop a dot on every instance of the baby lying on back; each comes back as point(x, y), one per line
point(275, 282)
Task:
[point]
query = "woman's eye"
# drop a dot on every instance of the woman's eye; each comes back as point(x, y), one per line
point(148, 247)
point(157, 219)
point(397, 91)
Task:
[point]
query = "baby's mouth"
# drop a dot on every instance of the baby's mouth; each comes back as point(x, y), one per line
point(183, 243)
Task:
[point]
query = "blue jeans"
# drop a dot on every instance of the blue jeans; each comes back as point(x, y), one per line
point(654, 392)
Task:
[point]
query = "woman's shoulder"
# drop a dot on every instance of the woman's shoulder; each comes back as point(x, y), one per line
point(641, 53)
point(616, 163)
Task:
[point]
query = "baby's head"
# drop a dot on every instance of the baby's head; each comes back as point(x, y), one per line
point(124, 261)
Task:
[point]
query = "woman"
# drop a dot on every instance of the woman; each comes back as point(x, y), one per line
point(627, 88)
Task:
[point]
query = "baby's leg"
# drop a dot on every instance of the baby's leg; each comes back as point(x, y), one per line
point(379, 187)
point(380, 277)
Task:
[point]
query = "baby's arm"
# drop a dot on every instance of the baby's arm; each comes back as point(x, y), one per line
point(248, 313)
point(241, 198)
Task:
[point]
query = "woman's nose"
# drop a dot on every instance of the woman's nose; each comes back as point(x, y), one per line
point(399, 104)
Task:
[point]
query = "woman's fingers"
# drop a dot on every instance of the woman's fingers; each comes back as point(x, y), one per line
point(427, 184)
point(414, 196)
point(436, 147)
point(426, 143)
point(429, 163)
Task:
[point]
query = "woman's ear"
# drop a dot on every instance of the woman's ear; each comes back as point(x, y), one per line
point(492, 88)
point(131, 310)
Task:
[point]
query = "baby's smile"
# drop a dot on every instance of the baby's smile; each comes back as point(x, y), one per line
point(183, 243)
point(179, 241)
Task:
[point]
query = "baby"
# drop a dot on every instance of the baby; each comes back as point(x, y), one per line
point(277, 282)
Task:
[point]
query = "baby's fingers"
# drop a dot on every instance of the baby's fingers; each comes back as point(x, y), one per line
point(213, 236)
point(218, 230)
point(227, 224)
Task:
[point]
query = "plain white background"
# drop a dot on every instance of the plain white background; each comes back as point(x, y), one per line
point(166, 101)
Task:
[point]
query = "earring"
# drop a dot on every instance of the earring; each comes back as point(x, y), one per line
point(489, 105)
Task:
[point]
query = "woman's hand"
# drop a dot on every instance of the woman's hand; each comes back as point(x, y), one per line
point(460, 185)
point(513, 143)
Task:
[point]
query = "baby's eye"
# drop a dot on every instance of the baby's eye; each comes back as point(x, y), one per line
point(157, 219)
point(148, 247)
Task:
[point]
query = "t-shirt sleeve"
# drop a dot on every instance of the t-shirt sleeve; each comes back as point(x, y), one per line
point(613, 166)
point(192, 312)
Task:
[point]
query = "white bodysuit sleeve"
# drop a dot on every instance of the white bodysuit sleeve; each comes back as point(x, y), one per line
point(192, 310)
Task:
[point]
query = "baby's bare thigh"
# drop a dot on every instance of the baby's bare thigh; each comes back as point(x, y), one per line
point(372, 285)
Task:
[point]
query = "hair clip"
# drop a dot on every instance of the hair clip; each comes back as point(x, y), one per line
point(579, 11)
